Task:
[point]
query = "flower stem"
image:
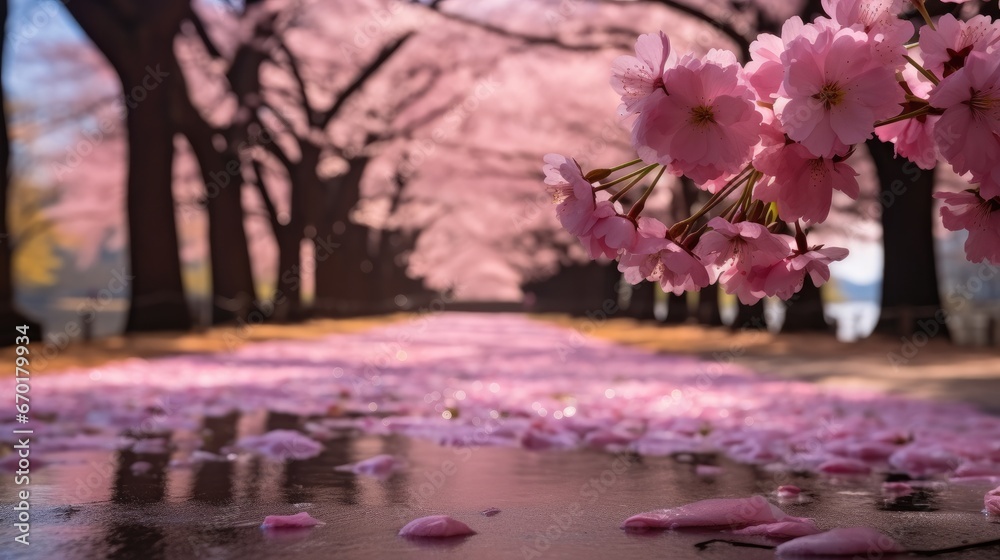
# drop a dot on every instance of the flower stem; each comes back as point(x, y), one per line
point(625, 165)
point(641, 203)
point(919, 5)
point(606, 186)
point(641, 175)
point(925, 72)
point(911, 115)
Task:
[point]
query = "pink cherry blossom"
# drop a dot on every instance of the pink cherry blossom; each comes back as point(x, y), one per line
point(571, 192)
point(658, 259)
point(834, 91)
point(967, 133)
point(765, 71)
point(610, 233)
point(801, 183)
point(738, 254)
point(880, 20)
point(787, 277)
point(967, 210)
point(840, 542)
point(299, 520)
point(946, 46)
point(706, 125)
point(440, 526)
point(733, 513)
point(635, 78)
point(992, 501)
point(913, 138)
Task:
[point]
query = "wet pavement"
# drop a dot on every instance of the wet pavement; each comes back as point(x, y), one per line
point(95, 494)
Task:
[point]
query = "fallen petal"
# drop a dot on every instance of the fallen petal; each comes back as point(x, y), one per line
point(898, 489)
point(796, 527)
point(734, 513)
point(844, 466)
point(992, 501)
point(435, 526)
point(282, 445)
point(789, 491)
point(840, 542)
point(379, 465)
point(707, 470)
point(299, 520)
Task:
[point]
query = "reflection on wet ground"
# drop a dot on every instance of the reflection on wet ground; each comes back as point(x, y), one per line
point(214, 509)
point(564, 435)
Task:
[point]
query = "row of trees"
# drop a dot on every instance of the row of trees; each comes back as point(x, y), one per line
point(357, 132)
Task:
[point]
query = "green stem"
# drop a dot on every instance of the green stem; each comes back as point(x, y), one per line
point(641, 203)
point(606, 186)
point(912, 114)
point(624, 165)
point(925, 72)
point(919, 4)
point(618, 195)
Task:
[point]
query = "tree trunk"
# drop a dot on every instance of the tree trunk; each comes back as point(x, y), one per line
point(345, 271)
point(10, 317)
point(708, 307)
point(909, 284)
point(158, 301)
point(288, 287)
point(642, 303)
point(137, 39)
point(750, 317)
point(233, 291)
point(804, 311)
point(677, 309)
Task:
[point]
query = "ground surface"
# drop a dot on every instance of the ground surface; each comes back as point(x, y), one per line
point(630, 427)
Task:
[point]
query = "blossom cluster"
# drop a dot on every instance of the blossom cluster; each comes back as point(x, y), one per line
point(771, 140)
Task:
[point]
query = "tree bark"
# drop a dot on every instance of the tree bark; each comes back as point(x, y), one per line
point(137, 39)
point(10, 316)
point(344, 275)
point(708, 307)
point(909, 284)
point(677, 309)
point(642, 303)
point(804, 311)
point(233, 290)
point(750, 317)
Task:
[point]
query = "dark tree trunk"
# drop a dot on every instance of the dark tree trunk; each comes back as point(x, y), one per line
point(708, 307)
point(233, 291)
point(677, 309)
point(804, 312)
point(642, 302)
point(582, 290)
point(10, 317)
point(137, 39)
point(288, 288)
point(749, 317)
point(344, 275)
point(909, 284)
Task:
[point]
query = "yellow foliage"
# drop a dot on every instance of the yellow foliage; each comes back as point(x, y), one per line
point(36, 260)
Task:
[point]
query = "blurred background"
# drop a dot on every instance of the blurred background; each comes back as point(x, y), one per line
point(180, 164)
